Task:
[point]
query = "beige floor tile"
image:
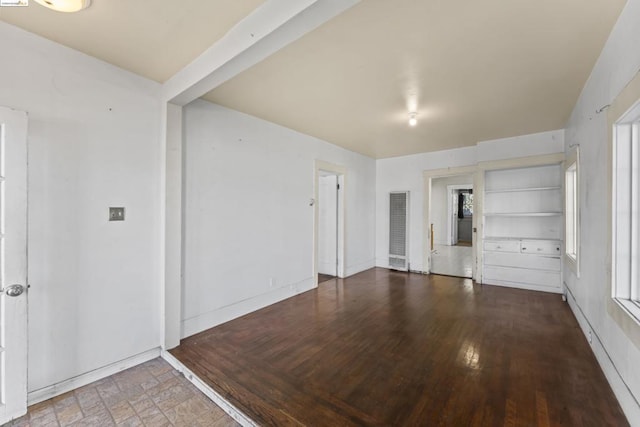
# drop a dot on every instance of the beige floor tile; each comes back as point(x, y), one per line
point(108, 390)
point(141, 403)
point(20, 422)
point(40, 409)
point(224, 421)
point(152, 394)
point(157, 420)
point(68, 415)
point(124, 395)
point(170, 398)
point(150, 414)
point(88, 398)
point(158, 367)
point(134, 421)
point(121, 411)
point(102, 420)
point(46, 421)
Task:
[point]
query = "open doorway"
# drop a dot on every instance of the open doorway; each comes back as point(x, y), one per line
point(329, 222)
point(328, 204)
point(452, 225)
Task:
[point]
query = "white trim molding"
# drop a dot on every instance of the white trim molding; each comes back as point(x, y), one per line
point(573, 158)
point(625, 315)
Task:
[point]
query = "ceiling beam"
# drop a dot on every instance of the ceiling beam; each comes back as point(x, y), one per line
point(269, 28)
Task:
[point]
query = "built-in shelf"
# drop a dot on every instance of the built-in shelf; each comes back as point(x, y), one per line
point(527, 214)
point(522, 226)
point(518, 190)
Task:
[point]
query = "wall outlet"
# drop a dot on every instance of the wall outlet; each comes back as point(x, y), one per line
point(271, 282)
point(116, 214)
point(590, 337)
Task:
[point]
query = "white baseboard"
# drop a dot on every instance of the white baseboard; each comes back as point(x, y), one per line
point(226, 406)
point(384, 263)
point(45, 393)
point(224, 314)
point(627, 401)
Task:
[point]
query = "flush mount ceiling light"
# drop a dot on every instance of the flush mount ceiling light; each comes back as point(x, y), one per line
point(412, 119)
point(65, 5)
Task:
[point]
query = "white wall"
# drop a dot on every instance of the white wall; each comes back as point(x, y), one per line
point(405, 174)
point(249, 223)
point(439, 205)
point(327, 224)
point(93, 143)
point(617, 65)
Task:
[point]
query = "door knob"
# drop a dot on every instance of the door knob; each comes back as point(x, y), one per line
point(14, 290)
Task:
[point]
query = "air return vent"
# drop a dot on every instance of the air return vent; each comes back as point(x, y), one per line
point(398, 225)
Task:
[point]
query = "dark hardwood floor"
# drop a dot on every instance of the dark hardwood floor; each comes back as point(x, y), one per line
point(325, 277)
point(395, 349)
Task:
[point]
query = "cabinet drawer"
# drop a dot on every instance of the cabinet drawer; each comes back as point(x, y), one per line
point(540, 247)
point(520, 260)
point(519, 275)
point(502, 246)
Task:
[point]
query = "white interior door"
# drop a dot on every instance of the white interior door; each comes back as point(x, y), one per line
point(13, 264)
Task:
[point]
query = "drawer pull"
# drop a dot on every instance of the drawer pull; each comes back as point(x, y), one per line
point(524, 249)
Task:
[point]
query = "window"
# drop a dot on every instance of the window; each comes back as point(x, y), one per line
point(467, 204)
point(626, 212)
point(571, 229)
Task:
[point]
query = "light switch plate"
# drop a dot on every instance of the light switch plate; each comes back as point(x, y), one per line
point(116, 214)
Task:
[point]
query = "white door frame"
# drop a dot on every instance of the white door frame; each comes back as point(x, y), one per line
point(13, 370)
point(341, 172)
point(450, 190)
point(428, 176)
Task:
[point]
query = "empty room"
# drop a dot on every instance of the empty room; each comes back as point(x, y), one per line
point(319, 212)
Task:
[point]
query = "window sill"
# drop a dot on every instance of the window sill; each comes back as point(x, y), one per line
point(631, 308)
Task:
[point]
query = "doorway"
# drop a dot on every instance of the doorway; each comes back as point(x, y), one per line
point(451, 225)
point(460, 214)
point(329, 222)
point(328, 188)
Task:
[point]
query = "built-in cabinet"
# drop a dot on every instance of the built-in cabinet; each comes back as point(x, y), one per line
point(522, 228)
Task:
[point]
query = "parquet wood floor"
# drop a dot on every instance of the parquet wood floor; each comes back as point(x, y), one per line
point(394, 349)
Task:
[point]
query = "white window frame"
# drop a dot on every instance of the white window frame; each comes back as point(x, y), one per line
point(572, 211)
point(626, 212)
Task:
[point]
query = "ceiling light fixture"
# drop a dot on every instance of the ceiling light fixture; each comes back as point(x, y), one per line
point(65, 5)
point(412, 119)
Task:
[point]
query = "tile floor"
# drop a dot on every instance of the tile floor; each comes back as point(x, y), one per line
point(150, 394)
point(452, 260)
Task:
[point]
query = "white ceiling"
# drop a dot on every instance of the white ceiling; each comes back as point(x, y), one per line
point(473, 70)
point(152, 38)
